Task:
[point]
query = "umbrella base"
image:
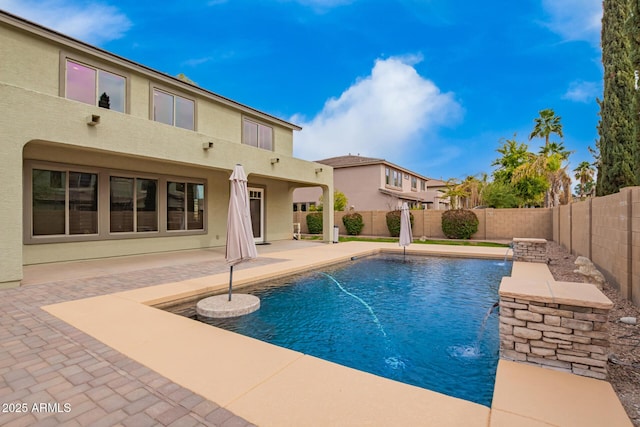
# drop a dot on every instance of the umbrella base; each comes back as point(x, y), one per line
point(219, 306)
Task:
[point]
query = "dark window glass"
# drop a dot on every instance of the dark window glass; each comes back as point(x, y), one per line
point(146, 204)
point(49, 202)
point(83, 203)
point(121, 204)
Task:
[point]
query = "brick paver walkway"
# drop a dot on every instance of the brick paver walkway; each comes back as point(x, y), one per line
point(55, 375)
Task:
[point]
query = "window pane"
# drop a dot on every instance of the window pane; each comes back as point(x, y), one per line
point(250, 133)
point(162, 107)
point(265, 137)
point(184, 113)
point(121, 202)
point(254, 207)
point(83, 203)
point(195, 206)
point(81, 83)
point(111, 91)
point(146, 204)
point(175, 206)
point(48, 202)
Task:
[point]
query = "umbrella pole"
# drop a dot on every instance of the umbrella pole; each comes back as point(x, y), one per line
point(404, 253)
point(230, 281)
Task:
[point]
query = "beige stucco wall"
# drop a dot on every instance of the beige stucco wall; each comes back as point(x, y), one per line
point(361, 185)
point(37, 124)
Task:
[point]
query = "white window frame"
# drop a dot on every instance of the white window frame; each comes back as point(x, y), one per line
point(174, 95)
point(65, 57)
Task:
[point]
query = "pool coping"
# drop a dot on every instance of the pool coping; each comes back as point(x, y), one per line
point(269, 385)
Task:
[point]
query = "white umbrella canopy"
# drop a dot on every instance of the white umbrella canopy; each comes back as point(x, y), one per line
point(406, 236)
point(240, 243)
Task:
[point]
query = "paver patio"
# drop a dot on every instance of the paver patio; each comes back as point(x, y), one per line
point(45, 360)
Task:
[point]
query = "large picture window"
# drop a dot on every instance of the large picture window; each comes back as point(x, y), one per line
point(133, 204)
point(257, 135)
point(185, 206)
point(67, 203)
point(95, 86)
point(173, 110)
point(64, 203)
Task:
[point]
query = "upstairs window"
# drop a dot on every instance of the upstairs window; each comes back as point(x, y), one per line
point(392, 177)
point(257, 135)
point(95, 86)
point(414, 183)
point(173, 110)
point(397, 179)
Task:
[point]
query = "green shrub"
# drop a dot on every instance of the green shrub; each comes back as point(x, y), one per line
point(314, 222)
point(393, 222)
point(353, 223)
point(459, 223)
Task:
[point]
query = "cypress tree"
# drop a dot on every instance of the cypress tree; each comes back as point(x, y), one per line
point(617, 142)
point(633, 31)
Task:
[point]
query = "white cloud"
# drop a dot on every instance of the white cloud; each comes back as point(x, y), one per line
point(383, 115)
point(575, 20)
point(94, 22)
point(581, 91)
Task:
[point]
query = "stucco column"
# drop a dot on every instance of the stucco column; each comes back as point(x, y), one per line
point(11, 212)
point(327, 213)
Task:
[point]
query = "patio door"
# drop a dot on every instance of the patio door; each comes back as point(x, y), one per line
point(256, 203)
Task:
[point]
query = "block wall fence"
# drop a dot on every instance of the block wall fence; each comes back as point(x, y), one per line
point(604, 229)
point(494, 224)
point(607, 231)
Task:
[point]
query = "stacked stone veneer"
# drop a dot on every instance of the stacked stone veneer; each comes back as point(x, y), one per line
point(559, 325)
point(530, 250)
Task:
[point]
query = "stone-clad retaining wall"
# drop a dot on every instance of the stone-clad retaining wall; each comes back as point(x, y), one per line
point(530, 250)
point(566, 337)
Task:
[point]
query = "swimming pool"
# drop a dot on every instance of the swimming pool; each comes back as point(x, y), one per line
point(426, 321)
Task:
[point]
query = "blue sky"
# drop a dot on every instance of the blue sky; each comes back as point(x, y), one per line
point(431, 85)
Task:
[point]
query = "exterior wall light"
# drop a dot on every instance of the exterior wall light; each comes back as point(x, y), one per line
point(93, 119)
point(318, 170)
point(207, 145)
point(275, 160)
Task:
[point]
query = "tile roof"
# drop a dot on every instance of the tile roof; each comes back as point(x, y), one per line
point(349, 160)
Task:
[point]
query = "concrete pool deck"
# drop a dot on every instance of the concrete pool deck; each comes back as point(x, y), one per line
point(268, 385)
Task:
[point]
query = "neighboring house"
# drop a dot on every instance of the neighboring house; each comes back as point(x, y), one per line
point(375, 184)
point(105, 157)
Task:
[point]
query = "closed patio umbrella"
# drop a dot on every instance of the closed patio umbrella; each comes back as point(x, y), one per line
point(405, 228)
point(240, 243)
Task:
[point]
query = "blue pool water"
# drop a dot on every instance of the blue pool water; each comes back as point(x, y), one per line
point(426, 321)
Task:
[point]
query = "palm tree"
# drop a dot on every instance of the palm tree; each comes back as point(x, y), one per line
point(549, 162)
point(584, 174)
point(546, 125)
point(455, 192)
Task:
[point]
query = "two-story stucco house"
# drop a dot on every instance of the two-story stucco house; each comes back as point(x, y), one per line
point(375, 184)
point(105, 157)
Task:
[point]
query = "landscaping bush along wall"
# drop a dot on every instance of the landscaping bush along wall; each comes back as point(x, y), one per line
point(494, 224)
